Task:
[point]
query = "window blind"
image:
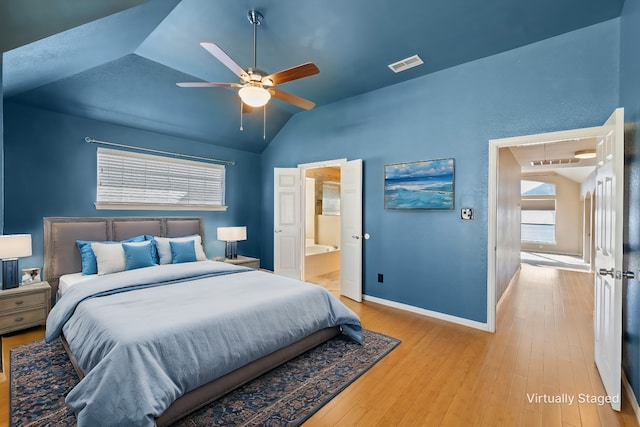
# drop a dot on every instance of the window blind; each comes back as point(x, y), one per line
point(144, 181)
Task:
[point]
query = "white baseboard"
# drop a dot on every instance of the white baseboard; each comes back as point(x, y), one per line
point(632, 397)
point(428, 313)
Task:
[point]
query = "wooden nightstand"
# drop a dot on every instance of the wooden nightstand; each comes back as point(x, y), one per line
point(245, 261)
point(24, 307)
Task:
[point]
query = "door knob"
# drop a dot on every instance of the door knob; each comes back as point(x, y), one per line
point(628, 275)
point(605, 272)
point(366, 236)
point(278, 231)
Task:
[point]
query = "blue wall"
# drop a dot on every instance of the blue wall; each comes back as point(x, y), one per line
point(434, 260)
point(630, 100)
point(1, 152)
point(51, 171)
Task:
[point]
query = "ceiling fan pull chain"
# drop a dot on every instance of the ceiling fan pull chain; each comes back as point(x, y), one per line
point(241, 107)
point(264, 122)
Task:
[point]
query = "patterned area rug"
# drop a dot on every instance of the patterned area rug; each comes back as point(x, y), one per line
point(42, 375)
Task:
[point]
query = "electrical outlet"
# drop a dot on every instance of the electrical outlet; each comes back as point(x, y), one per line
point(380, 278)
point(466, 213)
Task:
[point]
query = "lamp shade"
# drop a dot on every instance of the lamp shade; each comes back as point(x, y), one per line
point(232, 234)
point(254, 96)
point(15, 245)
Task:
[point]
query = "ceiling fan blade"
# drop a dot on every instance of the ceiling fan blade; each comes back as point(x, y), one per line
point(294, 73)
point(292, 99)
point(221, 56)
point(207, 84)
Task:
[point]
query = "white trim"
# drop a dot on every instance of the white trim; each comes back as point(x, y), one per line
point(323, 164)
point(631, 395)
point(302, 168)
point(494, 147)
point(155, 207)
point(434, 314)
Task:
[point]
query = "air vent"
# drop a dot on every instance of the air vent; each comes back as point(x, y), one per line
point(406, 63)
point(554, 162)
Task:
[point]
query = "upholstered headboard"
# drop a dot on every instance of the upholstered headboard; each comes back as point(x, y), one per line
point(61, 255)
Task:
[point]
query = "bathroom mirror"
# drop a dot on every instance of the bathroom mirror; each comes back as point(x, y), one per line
point(330, 198)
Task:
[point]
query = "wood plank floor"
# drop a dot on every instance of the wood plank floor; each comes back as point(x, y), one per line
point(449, 375)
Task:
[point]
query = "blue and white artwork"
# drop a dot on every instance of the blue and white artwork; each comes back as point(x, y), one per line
point(419, 185)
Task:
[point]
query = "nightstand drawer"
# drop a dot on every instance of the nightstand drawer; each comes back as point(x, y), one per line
point(22, 319)
point(18, 302)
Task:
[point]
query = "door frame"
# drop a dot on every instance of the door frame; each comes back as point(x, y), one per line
point(302, 167)
point(492, 227)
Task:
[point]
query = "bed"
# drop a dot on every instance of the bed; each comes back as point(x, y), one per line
point(190, 328)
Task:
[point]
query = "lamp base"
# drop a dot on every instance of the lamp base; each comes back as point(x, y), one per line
point(10, 274)
point(231, 250)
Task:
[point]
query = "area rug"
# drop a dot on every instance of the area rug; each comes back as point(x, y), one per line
point(42, 375)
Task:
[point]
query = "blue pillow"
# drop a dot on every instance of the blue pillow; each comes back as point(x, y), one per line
point(183, 251)
point(89, 263)
point(154, 248)
point(138, 255)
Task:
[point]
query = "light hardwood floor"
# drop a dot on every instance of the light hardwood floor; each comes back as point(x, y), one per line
point(449, 375)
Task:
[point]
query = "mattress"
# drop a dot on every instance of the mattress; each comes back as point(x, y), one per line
point(69, 280)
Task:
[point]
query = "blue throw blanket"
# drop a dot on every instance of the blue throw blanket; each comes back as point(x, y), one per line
point(145, 337)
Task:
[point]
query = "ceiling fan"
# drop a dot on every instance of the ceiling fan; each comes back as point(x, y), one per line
point(256, 86)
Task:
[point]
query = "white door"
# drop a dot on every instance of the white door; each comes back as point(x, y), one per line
point(608, 262)
point(351, 230)
point(287, 232)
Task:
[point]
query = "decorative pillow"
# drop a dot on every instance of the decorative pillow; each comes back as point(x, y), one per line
point(164, 249)
point(154, 249)
point(138, 255)
point(182, 251)
point(88, 258)
point(109, 257)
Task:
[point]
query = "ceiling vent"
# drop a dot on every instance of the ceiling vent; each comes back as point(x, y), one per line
point(406, 63)
point(553, 162)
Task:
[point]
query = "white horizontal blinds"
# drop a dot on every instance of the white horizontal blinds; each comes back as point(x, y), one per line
point(135, 178)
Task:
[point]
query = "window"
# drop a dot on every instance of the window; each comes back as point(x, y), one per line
point(538, 212)
point(128, 180)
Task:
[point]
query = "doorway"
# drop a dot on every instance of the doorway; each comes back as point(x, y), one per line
point(496, 253)
point(321, 264)
point(290, 228)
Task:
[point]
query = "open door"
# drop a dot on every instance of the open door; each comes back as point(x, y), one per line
point(351, 230)
point(287, 251)
point(608, 256)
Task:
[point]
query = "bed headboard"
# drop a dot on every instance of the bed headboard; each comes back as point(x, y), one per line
point(61, 255)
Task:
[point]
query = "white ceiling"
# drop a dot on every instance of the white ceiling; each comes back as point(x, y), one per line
point(555, 151)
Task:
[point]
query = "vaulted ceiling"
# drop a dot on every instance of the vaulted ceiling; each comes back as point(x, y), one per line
point(119, 61)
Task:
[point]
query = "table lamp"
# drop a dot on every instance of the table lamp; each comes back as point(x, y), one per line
point(232, 235)
point(12, 247)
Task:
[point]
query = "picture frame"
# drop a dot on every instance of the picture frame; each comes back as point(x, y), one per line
point(421, 185)
point(31, 275)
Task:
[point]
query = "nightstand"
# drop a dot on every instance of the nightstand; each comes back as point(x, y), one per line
point(245, 261)
point(23, 307)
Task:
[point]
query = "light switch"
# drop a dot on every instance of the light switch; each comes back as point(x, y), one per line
point(466, 213)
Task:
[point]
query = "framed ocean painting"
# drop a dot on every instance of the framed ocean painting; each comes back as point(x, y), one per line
point(425, 184)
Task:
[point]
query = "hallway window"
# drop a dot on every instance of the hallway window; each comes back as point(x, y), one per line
point(538, 212)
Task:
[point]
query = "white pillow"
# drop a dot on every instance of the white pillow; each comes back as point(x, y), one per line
point(110, 257)
point(164, 247)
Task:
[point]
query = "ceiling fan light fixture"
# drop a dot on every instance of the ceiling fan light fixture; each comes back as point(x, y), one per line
point(585, 154)
point(255, 96)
